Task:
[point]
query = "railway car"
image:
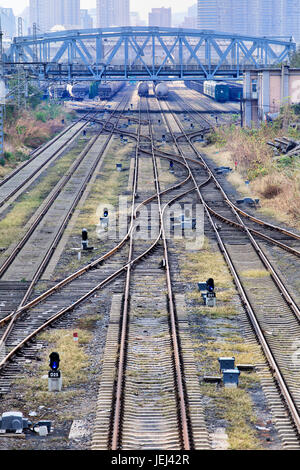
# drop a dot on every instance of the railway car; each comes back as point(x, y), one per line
point(79, 91)
point(109, 89)
point(58, 91)
point(194, 85)
point(219, 91)
point(143, 89)
point(235, 91)
point(161, 91)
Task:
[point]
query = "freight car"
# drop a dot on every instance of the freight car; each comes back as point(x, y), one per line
point(58, 91)
point(79, 91)
point(235, 91)
point(219, 91)
point(143, 89)
point(161, 91)
point(109, 89)
point(195, 85)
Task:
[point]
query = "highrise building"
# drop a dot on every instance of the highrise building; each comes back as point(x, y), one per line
point(190, 21)
point(192, 11)
point(251, 17)
point(93, 14)
point(292, 20)
point(113, 13)
point(208, 14)
point(86, 21)
point(71, 14)
point(160, 17)
point(135, 19)
point(49, 13)
point(8, 22)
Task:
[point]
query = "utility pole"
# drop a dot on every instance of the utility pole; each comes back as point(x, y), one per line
point(241, 112)
point(34, 47)
point(2, 95)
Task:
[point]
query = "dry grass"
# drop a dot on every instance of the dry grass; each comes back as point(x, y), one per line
point(74, 362)
point(255, 273)
point(201, 265)
point(214, 338)
point(232, 405)
point(227, 311)
point(275, 181)
point(12, 226)
point(104, 192)
point(25, 131)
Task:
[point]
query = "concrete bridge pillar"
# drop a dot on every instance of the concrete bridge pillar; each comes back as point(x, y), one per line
point(264, 95)
point(247, 100)
point(284, 85)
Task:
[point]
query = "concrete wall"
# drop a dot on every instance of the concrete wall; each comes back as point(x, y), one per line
point(274, 88)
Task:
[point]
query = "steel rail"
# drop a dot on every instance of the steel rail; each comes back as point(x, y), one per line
point(285, 247)
point(256, 326)
point(51, 157)
point(102, 284)
point(90, 266)
point(230, 203)
point(186, 435)
point(76, 275)
point(280, 285)
point(54, 243)
point(117, 407)
point(64, 180)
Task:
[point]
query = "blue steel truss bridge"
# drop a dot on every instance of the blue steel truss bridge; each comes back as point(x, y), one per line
point(140, 53)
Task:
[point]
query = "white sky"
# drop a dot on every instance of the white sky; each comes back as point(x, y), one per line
point(143, 7)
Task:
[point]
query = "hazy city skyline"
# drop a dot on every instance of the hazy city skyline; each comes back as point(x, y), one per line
point(135, 5)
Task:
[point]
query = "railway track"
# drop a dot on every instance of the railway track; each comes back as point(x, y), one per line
point(41, 229)
point(8, 339)
point(272, 233)
point(273, 313)
point(55, 297)
point(149, 406)
point(19, 180)
point(152, 400)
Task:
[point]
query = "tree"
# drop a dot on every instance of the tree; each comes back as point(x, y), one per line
point(295, 60)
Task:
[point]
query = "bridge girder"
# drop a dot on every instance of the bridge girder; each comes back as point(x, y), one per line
point(140, 53)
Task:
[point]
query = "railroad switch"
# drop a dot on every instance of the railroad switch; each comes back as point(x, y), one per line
point(230, 372)
point(231, 378)
point(249, 201)
point(226, 363)
point(13, 422)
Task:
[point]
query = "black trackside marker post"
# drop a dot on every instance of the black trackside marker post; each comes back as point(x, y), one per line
point(84, 241)
point(54, 375)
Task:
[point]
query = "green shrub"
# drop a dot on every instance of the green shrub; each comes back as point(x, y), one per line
point(41, 116)
point(8, 156)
